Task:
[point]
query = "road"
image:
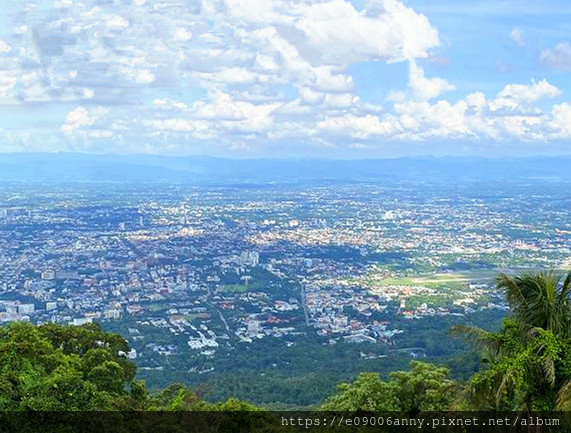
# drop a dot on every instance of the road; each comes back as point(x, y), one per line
point(304, 306)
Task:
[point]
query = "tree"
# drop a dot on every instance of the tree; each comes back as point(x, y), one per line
point(425, 387)
point(53, 367)
point(65, 368)
point(368, 393)
point(529, 359)
point(177, 397)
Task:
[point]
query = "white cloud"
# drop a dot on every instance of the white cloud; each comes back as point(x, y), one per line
point(560, 120)
point(170, 104)
point(558, 57)
point(8, 80)
point(234, 75)
point(509, 115)
point(426, 88)
point(144, 77)
point(442, 119)
point(342, 100)
point(115, 22)
point(216, 115)
point(517, 36)
point(221, 106)
point(87, 123)
point(182, 35)
point(334, 32)
point(329, 81)
point(201, 128)
point(4, 47)
point(360, 127)
point(476, 102)
point(515, 97)
point(76, 119)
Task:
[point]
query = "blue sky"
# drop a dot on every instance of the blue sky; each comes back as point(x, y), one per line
point(250, 78)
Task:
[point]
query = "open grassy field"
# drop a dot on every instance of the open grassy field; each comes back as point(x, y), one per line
point(449, 279)
point(443, 279)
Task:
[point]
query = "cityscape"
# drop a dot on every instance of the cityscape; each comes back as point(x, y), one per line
point(217, 207)
point(194, 276)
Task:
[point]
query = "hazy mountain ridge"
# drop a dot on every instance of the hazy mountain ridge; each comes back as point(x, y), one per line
point(198, 169)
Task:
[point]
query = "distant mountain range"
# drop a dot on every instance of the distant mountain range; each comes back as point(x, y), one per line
point(149, 168)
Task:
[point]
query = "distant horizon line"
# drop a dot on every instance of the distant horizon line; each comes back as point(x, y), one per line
point(294, 158)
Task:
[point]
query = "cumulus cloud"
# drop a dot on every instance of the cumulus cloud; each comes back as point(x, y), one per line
point(516, 97)
point(558, 57)
point(507, 116)
point(87, 124)
point(360, 127)
point(76, 119)
point(426, 88)
point(334, 32)
point(560, 120)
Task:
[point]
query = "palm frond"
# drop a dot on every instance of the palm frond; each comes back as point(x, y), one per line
point(565, 289)
point(549, 370)
point(564, 397)
point(503, 386)
point(538, 300)
point(514, 294)
point(478, 338)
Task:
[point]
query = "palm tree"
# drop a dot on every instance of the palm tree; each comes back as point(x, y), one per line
point(529, 358)
point(539, 300)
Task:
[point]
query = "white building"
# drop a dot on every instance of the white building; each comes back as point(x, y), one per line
point(26, 308)
point(81, 321)
point(112, 314)
point(48, 274)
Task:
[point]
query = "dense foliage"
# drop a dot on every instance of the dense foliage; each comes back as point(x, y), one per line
point(424, 388)
point(65, 368)
point(51, 367)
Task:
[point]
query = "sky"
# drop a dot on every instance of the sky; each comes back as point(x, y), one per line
point(297, 78)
